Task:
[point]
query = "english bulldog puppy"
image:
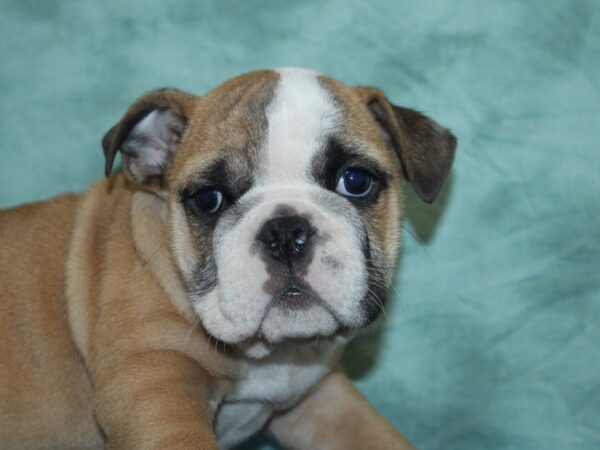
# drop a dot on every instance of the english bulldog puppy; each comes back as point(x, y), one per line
point(207, 289)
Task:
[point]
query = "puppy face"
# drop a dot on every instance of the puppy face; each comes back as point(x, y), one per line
point(284, 197)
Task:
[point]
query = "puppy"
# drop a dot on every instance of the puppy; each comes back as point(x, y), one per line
point(207, 290)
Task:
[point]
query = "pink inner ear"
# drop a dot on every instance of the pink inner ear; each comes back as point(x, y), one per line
point(151, 144)
point(157, 126)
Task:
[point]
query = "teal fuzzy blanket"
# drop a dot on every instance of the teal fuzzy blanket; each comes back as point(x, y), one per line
point(491, 340)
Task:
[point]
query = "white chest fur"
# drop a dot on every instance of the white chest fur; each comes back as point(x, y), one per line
point(271, 384)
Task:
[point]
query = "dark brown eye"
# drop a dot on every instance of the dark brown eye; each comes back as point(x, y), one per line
point(355, 182)
point(208, 199)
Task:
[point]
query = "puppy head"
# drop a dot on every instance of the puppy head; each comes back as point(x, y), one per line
point(284, 196)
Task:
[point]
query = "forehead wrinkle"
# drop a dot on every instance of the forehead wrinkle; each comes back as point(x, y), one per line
point(300, 115)
point(359, 129)
point(230, 168)
point(231, 117)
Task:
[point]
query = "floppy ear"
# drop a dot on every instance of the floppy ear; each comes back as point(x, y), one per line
point(425, 148)
point(148, 134)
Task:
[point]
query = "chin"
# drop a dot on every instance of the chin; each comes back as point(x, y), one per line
point(300, 320)
point(282, 323)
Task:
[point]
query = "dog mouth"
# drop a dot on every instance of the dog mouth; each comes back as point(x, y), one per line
point(297, 309)
point(294, 297)
point(296, 312)
point(287, 306)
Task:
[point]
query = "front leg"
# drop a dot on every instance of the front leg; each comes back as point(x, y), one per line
point(155, 400)
point(335, 416)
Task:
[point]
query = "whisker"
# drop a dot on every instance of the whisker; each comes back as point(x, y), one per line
point(189, 334)
point(154, 253)
point(374, 301)
point(416, 238)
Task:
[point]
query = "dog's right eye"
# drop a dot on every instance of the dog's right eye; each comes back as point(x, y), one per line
point(208, 200)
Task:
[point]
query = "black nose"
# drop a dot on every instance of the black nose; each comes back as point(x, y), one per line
point(286, 238)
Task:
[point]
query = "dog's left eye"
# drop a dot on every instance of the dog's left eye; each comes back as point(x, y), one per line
point(208, 199)
point(355, 183)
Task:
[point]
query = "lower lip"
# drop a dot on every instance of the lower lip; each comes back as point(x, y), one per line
point(292, 292)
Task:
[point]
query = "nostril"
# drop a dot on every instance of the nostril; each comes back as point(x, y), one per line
point(300, 240)
point(301, 236)
point(268, 236)
point(271, 239)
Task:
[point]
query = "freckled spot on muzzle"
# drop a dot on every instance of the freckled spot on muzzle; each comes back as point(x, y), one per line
point(333, 263)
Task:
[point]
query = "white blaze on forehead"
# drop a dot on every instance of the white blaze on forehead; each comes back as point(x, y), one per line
point(299, 117)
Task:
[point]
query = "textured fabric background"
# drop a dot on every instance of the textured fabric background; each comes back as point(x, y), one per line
point(492, 338)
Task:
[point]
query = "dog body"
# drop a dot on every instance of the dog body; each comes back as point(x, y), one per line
point(208, 288)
